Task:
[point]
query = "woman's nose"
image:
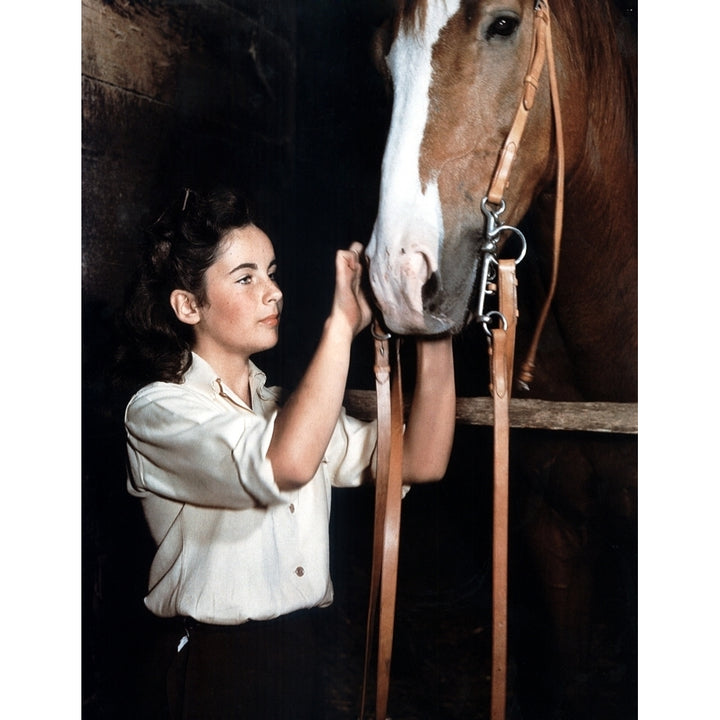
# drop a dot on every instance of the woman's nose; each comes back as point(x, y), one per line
point(274, 294)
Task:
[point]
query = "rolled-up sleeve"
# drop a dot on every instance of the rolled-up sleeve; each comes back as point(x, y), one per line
point(184, 447)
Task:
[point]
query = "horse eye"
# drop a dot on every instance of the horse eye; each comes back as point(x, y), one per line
point(502, 26)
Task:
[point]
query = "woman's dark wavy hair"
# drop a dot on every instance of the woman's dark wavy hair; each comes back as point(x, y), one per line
point(179, 247)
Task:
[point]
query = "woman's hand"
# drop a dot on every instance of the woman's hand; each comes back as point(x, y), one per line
point(349, 302)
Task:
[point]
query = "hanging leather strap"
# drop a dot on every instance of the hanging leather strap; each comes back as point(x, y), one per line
point(501, 366)
point(386, 537)
point(382, 391)
point(527, 369)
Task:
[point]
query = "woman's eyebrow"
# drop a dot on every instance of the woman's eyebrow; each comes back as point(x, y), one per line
point(251, 266)
point(244, 266)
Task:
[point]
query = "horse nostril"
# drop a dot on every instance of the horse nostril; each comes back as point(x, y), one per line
point(430, 293)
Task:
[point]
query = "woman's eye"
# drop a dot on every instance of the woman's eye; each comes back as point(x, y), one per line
point(244, 280)
point(502, 26)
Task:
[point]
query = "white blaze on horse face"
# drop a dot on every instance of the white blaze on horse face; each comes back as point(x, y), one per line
point(404, 249)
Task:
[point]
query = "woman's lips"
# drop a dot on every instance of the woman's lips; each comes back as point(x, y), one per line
point(270, 320)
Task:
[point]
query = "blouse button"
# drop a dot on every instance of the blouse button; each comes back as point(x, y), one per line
point(292, 507)
point(299, 571)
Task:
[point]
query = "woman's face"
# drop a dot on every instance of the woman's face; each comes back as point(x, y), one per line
point(243, 302)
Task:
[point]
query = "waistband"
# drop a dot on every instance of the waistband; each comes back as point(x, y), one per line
point(303, 615)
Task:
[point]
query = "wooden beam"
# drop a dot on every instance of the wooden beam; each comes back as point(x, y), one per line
point(538, 414)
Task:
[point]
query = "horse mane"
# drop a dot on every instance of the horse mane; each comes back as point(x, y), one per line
point(605, 43)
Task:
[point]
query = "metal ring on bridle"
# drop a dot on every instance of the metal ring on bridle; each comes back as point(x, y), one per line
point(517, 232)
point(495, 213)
point(485, 320)
point(492, 230)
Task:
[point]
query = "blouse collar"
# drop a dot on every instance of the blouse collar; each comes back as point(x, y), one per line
point(202, 376)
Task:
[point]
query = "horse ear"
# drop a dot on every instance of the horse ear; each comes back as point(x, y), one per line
point(185, 306)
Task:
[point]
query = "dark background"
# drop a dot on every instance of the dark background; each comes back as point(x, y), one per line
point(281, 97)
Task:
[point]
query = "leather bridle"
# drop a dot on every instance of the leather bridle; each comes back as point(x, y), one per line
point(497, 278)
point(542, 50)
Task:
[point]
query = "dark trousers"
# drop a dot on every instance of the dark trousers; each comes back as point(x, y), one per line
point(266, 670)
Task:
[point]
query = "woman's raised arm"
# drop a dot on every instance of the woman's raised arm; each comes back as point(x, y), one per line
point(305, 424)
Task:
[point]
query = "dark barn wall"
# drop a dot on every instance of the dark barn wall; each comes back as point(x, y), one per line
point(176, 93)
point(173, 94)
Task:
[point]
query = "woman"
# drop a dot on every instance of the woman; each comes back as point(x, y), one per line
point(235, 485)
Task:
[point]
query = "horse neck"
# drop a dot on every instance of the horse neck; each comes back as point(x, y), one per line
point(601, 202)
point(597, 58)
point(600, 233)
point(596, 297)
point(601, 182)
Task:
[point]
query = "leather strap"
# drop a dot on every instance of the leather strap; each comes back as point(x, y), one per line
point(541, 25)
point(386, 538)
point(542, 50)
point(501, 366)
point(527, 370)
point(391, 543)
point(382, 391)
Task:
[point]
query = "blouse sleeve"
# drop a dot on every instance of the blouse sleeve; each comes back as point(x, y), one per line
point(184, 447)
point(351, 455)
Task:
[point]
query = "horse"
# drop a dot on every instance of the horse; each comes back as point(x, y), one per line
point(457, 71)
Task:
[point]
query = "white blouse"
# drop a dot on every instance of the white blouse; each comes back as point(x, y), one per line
point(231, 546)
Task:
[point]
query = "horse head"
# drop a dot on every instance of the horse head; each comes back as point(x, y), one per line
point(458, 69)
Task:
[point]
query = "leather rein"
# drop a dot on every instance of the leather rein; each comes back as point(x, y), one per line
point(497, 278)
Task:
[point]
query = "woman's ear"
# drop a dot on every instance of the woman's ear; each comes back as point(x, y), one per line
point(185, 306)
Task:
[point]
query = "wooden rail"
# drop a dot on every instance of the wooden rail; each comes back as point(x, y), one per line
point(538, 414)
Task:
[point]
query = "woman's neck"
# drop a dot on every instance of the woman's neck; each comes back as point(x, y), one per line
point(234, 371)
